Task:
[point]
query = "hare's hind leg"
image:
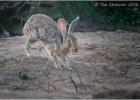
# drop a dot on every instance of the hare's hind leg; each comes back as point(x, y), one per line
point(28, 45)
point(44, 54)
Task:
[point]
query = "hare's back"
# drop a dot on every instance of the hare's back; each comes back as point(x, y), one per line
point(41, 26)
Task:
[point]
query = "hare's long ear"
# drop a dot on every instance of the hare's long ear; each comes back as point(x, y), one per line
point(62, 27)
point(73, 24)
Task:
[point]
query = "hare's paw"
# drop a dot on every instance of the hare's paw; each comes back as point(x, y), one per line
point(28, 55)
point(66, 66)
point(61, 67)
point(57, 66)
point(70, 68)
point(43, 55)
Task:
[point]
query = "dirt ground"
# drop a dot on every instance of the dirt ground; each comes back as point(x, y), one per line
point(106, 66)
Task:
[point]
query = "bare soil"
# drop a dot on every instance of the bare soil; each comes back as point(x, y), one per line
point(106, 66)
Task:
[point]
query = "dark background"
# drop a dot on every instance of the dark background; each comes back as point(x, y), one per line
point(93, 15)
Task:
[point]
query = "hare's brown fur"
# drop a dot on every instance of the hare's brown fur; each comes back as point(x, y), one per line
point(44, 29)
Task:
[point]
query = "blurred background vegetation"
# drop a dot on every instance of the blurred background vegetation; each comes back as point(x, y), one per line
point(13, 14)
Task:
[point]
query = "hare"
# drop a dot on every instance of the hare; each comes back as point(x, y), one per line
point(54, 38)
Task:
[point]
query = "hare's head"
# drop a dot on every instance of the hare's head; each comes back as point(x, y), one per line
point(68, 38)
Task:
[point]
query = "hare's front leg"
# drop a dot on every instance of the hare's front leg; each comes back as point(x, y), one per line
point(56, 62)
point(51, 54)
point(66, 63)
